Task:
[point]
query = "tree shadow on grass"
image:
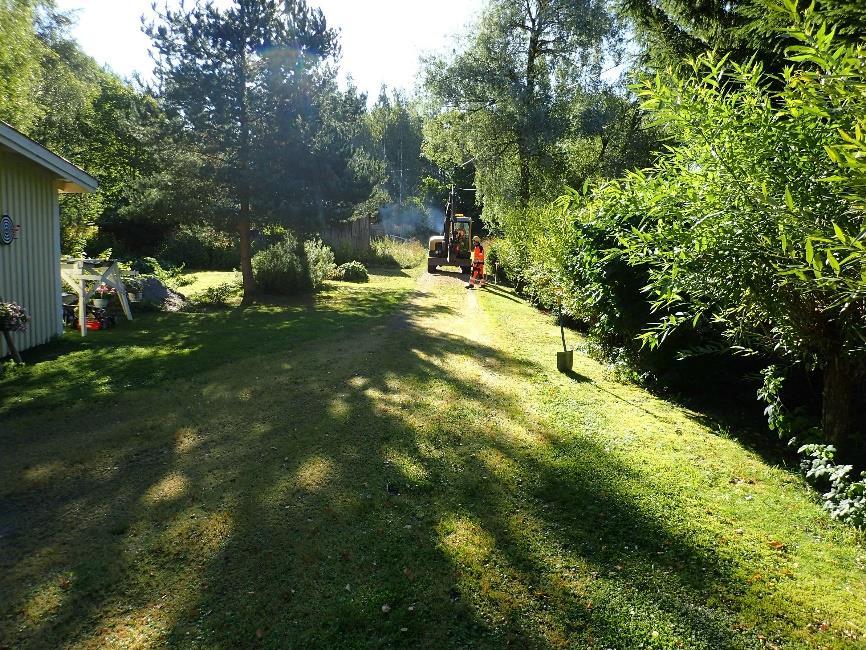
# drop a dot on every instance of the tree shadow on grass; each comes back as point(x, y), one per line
point(367, 499)
point(163, 347)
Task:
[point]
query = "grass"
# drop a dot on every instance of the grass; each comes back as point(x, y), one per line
point(382, 252)
point(194, 282)
point(396, 464)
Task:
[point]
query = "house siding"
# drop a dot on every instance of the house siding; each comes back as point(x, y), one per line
point(30, 266)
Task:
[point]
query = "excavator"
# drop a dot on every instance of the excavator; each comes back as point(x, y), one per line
point(454, 246)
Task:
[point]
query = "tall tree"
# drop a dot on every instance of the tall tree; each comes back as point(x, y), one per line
point(20, 70)
point(513, 84)
point(59, 96)
point(394, 129)
point(671, 31)
point(314, 169)
point(215, 66)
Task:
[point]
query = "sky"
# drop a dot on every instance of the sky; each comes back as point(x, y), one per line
point(382, 40)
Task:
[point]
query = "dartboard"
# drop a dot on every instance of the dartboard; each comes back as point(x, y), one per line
point(7, 230)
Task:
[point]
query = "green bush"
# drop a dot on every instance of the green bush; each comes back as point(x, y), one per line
point(220, 294)
point(201, 247)
point(352, 271)
point(170, 275)
point(281, 269)
point(348, 250)
point(319, 262)
point(745, 236)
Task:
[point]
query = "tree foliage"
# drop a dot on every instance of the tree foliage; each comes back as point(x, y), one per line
point(509, 94)
point(57, 95)
point(226, 75)
point(748, 231)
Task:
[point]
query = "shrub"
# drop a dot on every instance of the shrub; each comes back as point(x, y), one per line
point(844, 496)
point(280, 268)
point(201, 247)
point(352, 272)
point(220, 294)
point(319, 262)
point(170, 275)
point(348, 250)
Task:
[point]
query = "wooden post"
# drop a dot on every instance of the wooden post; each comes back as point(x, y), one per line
point(82, 307)
point(12, 349)
point(113, 279)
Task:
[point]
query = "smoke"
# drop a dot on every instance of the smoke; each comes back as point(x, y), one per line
point(410, 220)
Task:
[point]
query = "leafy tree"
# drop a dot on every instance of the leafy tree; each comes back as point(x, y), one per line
point(754, 220)
point(671, 31)
point(215, 70)
point(60, 97)
point(20, 70)
point(508, 94)
point(394, 137)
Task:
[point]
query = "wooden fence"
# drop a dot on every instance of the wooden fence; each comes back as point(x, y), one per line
point(354, 233)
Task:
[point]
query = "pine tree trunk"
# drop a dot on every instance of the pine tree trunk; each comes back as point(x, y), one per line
point(842, 403)
point(246, 253)
point(244, 218)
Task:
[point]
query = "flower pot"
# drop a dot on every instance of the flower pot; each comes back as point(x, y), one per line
point(100, 303)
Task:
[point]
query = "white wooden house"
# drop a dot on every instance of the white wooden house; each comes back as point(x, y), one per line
point(30, 179)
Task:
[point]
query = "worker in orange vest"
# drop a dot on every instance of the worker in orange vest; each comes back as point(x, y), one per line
point(477, 263)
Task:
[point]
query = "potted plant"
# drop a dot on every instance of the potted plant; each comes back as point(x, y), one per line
point(133, 286)
point(13, 318)
point(102, 296)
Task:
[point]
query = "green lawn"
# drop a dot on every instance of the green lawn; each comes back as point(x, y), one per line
point(195, 282)
point(392, 464)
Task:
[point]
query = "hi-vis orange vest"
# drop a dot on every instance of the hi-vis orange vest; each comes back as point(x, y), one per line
point(478, 254)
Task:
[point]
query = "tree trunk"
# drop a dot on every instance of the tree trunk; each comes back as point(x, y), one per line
point(841, 416)
point(523, 190)
point(244, 186)
point(246, 253)
point(529, 99)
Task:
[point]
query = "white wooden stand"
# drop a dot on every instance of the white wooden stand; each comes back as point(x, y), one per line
point(76, 273)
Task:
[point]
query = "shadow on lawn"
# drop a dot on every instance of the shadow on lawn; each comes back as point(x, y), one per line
point(289, 499)
point(161, 347)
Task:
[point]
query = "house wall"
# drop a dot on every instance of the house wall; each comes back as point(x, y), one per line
point(30, 266)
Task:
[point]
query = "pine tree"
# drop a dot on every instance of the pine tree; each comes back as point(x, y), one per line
point(217, 70)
